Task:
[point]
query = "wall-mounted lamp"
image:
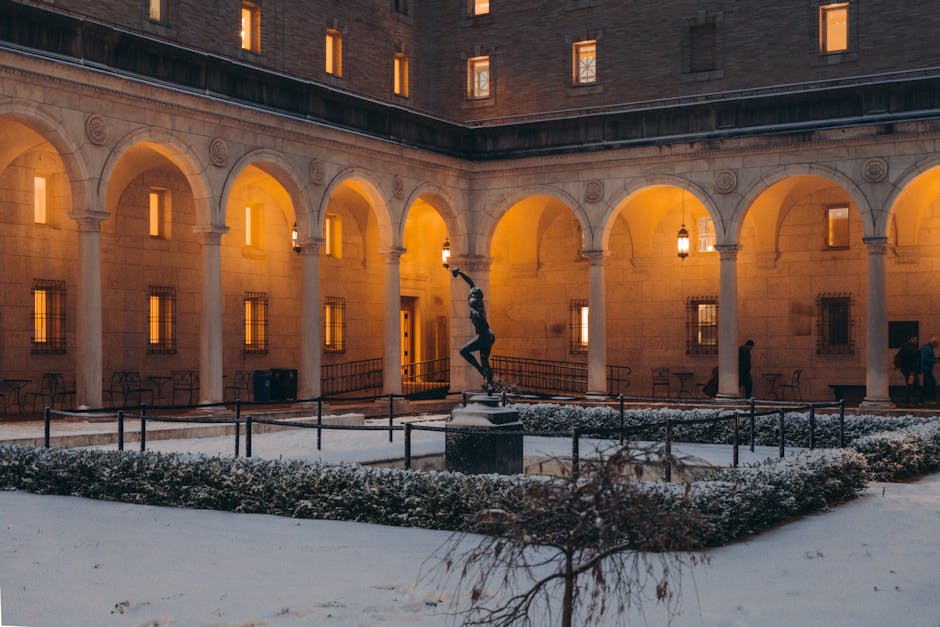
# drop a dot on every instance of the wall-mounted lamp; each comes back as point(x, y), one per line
point(294, 243)
point(682, 239)
point(445, 253)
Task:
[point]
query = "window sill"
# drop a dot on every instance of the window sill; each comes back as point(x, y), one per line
point(252, 253)
point(710, 75)
point(585, 89)
point(480, 103)
point(834, 58)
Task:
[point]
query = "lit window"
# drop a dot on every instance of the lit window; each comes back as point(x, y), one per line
point(40, 200)
point(256, 322)
point(161, 320)
point(706, 235)
point(702, 325)
point(400, 79)
point(578, 317)
point(156, 10)
point(334, 53)
point(585, 62)
point(334, 324)
point(478, 77)
point(479, 7)
point(332, 236)
point(157, 212)
point(253, 226)
point(48, 316)
point(251, 27)
point(838, 231)
point(834, 27)
point(834, 325)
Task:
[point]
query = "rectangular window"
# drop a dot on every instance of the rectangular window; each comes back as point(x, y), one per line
point(40, 200)
point(251, 27)
point(837, 219)
point(256, 322)
point(702, 325)
point(578, 318)
point(584, 55)
point(834, 325)
point(334, 324)
point(706, 235)
point(254, 226)
point(48, 316)
point(703, 47)
point(834, 27)
point(332, 236)
point(479, 7)
point(156, 10)
point(157, 212)
point(161, 319)
point(400, 79)
point(478, 77)
point(334, 53)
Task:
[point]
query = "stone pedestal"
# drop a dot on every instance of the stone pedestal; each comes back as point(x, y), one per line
point(484, 450)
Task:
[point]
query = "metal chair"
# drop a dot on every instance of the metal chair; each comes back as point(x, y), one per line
point(185, 381)
point(241, 385)
point(52, 388)
point(661, 379)
point(793, 386)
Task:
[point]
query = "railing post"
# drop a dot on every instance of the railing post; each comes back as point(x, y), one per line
point(47, 416)
point(391, 415)
point(407, 446)
point(248, 437)
point(734, 460)
point(668, 459)
point(781, 434)
point(120, 429)
point(143, 433)
point(841, 423)
point(504, 398)
point(812, 426)
point(319, 423)
point(752, 426)
point(575, 454)
point(238, 434)
point(238, 408)
point(463, 396)
point(620, 398)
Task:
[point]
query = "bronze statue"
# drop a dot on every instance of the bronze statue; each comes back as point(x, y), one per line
point(484, 338)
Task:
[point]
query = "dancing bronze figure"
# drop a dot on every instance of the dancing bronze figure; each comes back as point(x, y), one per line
point(483, 341)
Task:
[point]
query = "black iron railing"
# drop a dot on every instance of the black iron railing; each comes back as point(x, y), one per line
point(426, 379)
point(541, 375)
point(351, 376)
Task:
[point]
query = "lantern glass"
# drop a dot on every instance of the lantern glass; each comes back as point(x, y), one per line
point(682, 243)
point(445, 253)
point(294, 243)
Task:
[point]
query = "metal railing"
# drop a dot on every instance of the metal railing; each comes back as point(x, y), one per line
point(351, 376)
point(426, 379)
point(541, 375)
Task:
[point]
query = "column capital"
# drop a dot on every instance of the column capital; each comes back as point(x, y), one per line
point(596, 257)
point(90, 221)
point(727, 252)
point(311, 246)
point(211, 235)
point(393, 254)
point(877, 245)
point(471, 263)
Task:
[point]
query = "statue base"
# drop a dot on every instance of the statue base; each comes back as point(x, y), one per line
point(486, 449)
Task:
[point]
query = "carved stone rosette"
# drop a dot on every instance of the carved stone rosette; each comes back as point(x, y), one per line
point(317, 172)
point(726, 181)
point(875, 170)
point(398, 187)
point(593, 191)
point(96, 129)
point(218, 152)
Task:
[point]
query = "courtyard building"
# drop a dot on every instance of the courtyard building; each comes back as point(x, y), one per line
point(228, 186)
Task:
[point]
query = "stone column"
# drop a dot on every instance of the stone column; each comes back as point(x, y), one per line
point(210, 331)
point(728, 322)
point(876, 335)
point(392, 358)
point(88, 358)
point(309, 384)
point(462, 375)
point(597, 323)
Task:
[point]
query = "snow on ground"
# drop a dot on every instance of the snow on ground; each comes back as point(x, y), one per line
point(77, 562)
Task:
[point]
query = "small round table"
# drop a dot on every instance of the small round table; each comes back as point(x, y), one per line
point(15, 385)
point(771, 378)
point(684, 378)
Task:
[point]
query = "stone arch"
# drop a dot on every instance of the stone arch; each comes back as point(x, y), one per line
point(364, 184)
point(508, 202)
point(281, 170)
point(177, 152)
point(454, 221)
point(50, 128)
point(911, 181)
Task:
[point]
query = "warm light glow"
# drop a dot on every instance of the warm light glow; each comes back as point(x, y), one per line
point(328, 326)
point(834, 27)
point(682, 243)
point(156, 10)
point(154, 319)
point(40, 317)
point(249, 323)
point(39, 200)
point(332, 236)
point(838, 235)
point(478, 71)
point(401, 75)
point(156, 213)
point(294, 239)
point(246, 28)
point(334, 53)
point(479, 7)
point(249, 236)
point(445, 253)
point(583, 334)
point(585, 62)
point(706, 235)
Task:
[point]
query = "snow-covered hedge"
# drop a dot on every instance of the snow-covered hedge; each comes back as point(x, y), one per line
point(734, 503)
point(893, 455)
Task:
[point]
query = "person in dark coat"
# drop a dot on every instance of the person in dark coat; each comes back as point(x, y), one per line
point(744, 368)
point(908, 362)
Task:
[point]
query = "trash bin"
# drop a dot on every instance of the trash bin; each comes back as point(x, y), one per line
point(261, 384)
point(283, 384)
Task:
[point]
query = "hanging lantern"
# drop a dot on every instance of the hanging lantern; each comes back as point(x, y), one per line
point(445, 253)
point(682, 243)
point(294, 243)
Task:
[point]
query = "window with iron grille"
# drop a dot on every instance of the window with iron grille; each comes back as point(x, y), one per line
point(48, 316)
point(256, 322)
point(578, 316)
point(702, 325)
point(161, 320)
point(334, 324)
point(834, 325)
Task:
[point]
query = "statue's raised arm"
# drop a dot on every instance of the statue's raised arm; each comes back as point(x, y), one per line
point(458, 273)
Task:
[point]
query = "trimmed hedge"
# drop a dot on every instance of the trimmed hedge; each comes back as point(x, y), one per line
point(893, 455)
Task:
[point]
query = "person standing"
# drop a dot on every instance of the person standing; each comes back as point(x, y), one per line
point(928, 358)
point(744, 368)
point(908, 362)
